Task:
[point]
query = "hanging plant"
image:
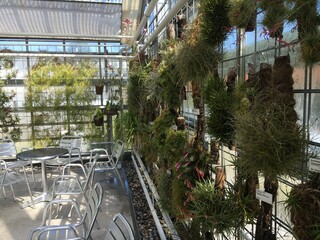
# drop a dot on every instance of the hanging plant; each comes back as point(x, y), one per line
point(98, 117)
point(99, 87)
point(168, 80)
point(274, 16)
point(243, 14)
point(303, 203)
point(270, 140)
point(222, 101)
point(218, 211)
point(195, 58)
point(214, 25)
point(306, 15)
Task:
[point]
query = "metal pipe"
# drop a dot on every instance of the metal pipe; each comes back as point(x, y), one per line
point(64, 55)
point(97, 37)
point(164, 23)
point(156, 196)
point(146, 15)
point(151, 206)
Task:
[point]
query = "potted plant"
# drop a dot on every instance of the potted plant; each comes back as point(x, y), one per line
point(99, 87)
point(98, 117)
point(111, 108)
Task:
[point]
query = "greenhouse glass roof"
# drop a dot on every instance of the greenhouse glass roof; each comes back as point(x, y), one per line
point(60, 19)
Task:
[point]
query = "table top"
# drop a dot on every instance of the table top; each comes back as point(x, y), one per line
point(42, 153)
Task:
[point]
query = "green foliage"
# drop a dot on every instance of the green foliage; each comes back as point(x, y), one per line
point(306, 15)
point(218, 211)
point(303, 203)
point(269, 142)
point(196, 62)
point(221, 106)
point(195, 58)
point(126, 127)
point(8, 120)
point(178, 195)
point(275, 12)
point(61, 90)
point(194, 166)
point(160, 128)
point(139, 101)
point(241, 12)
point(164, 183)
point(215, 24)
point(175, 146)
point(168, 80)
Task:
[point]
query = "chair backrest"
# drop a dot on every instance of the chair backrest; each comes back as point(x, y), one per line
point(71, 142)
point(117, 151)
point(7, 148)
point(119, 229)
point(92, 209)
point(90, 173)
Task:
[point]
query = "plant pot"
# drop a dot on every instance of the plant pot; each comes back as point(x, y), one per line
point(251, 25)
point(111, 111)
point(98, 121)
point(99, 89)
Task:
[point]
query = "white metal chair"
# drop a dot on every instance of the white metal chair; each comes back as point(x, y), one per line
point(66, 184)
point(73, 144)
point(119, 229)
point(108, 161)
point(79, 229)
point(10, 176)
point(8, 153)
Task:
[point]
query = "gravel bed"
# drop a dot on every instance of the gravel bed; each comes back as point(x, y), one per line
point(145, 223)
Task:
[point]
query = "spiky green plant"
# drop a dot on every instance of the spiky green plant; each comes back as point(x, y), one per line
point(215, 25)
point(242, 13)
point(306, 15)
point(168, 80)
point(303, 204)
point(274, 16)
point(217, 211)
point(221, 105)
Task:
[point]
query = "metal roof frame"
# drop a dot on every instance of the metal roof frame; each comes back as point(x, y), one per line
point(46, 19)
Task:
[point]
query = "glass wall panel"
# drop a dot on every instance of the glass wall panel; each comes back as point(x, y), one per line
point(314, 122)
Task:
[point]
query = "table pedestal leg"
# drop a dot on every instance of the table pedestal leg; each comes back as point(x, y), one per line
point(45, 195)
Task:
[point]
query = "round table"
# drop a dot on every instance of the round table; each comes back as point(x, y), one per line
point(42, 154)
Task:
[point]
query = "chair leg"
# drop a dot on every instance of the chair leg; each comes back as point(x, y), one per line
point(28, 185)
point(120, 179)
point(14, 196)
point(4, 193)
point(98, 225)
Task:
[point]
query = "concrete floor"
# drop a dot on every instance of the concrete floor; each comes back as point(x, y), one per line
point(17, 223)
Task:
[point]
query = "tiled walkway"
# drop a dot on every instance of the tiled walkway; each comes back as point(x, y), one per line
point(16, 223)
